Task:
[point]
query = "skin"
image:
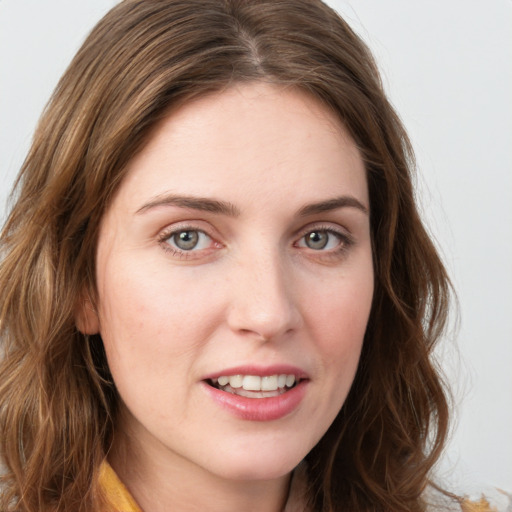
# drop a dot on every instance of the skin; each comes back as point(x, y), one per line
point(252, 292)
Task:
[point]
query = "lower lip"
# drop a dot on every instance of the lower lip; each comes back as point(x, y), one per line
point(259, 409)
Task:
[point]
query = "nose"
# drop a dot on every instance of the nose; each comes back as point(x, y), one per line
point(263, 300)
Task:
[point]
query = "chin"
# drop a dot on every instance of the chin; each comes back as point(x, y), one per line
point(258, 464)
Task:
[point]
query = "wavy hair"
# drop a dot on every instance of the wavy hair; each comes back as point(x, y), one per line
point(57, 402)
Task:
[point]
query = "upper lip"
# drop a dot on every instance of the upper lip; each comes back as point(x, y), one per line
point(261, 371)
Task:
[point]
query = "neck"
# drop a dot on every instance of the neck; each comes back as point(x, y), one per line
point(161, 480)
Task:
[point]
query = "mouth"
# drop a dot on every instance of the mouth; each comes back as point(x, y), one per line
point(255, 386)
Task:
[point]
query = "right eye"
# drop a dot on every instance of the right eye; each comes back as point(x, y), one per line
point(188, 240)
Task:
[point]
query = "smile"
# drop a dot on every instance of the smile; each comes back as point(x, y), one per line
point(258, 393)
point(254, 386)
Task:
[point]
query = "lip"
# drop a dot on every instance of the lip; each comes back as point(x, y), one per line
point(262, 371)
point(259, 409)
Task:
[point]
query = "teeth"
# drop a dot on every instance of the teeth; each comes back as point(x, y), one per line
point(290, 381)
point(269, 383)
point(236, 381)
point(256, 383)
point(223, 381)
point(252, 383)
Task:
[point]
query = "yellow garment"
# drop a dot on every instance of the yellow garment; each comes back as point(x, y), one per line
point(118, 495)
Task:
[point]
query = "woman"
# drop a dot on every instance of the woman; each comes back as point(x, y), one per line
point(169, 321)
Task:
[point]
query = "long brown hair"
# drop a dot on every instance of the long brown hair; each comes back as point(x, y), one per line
point(57, 403)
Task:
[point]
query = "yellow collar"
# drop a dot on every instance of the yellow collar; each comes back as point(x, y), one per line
point(118, 495)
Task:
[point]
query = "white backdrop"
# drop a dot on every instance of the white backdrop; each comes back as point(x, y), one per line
point(447, 66)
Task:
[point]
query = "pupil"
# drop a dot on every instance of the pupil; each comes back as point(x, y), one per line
point(186, 240)
point(317, 240)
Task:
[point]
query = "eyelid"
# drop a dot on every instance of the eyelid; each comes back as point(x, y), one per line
point(324, 226)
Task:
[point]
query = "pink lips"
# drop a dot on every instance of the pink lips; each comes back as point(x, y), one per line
point(259, 409)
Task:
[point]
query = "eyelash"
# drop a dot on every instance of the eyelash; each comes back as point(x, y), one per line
point(345, 241)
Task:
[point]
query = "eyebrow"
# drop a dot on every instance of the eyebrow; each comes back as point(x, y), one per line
point(192, 202)
point(332, 204)
point(226, 208)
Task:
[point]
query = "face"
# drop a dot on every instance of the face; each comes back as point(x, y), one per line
point(235, 279)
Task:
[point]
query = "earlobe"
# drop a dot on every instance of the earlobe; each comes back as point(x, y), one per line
point(86, 317)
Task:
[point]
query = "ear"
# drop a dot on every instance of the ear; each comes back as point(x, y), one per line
point(86, 316)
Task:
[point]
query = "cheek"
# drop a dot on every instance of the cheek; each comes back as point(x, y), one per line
point(148, 316)
point(339, 317)
point(147, 328)
point(342, 313)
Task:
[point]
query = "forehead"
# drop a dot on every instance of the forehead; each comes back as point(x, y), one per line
point(235, 140)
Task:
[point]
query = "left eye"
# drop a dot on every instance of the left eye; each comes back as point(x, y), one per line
point(320, 239)
point(189, 240)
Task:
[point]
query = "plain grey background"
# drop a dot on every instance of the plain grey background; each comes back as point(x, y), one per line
point(447, 67)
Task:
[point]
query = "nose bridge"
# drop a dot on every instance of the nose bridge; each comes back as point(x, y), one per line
point(262, 298)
